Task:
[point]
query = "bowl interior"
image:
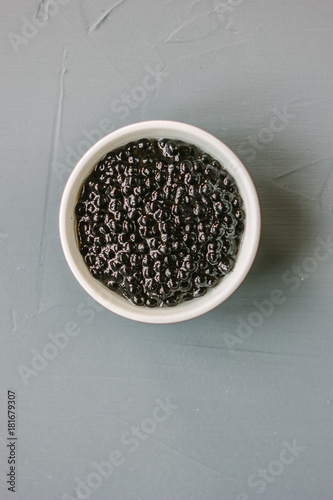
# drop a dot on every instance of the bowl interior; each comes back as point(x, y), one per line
point(156, 130)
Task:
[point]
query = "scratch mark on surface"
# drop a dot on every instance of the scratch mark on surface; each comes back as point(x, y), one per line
point(189, 346)
point(294, 170)
point(12, 317)
point(269, 353)
point(104, 17)
point(59, 109)
point(202, 7)
point(186, 456)
point(307, 194)
point(198, 346)
point(208, 51)
point(302, 103)
point(207, 31)
point(285, 174)
point(321, 192)
point(55, 141)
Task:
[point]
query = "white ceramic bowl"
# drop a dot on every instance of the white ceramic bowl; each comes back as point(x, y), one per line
point(248, 247)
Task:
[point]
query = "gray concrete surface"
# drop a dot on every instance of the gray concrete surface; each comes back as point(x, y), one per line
point(236, 404)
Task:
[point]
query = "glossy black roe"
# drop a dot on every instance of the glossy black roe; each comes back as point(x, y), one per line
point(159, 222)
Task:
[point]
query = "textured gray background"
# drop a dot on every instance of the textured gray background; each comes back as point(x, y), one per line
point(229, 67)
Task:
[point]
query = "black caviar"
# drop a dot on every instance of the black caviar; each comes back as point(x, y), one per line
point(159, 222)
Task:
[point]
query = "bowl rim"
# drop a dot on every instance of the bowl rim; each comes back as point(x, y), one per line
point(247, 251)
